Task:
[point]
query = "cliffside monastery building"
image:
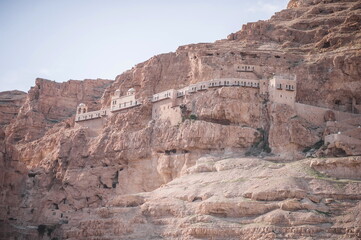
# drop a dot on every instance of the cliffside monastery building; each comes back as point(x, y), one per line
point(280, 89)
point(166, 104)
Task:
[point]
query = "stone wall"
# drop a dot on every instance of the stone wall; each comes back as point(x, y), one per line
point(315, 114)
point(282, 90)
point(94, 125)
point(91, 115)
point(123, 102)
point(165, 110)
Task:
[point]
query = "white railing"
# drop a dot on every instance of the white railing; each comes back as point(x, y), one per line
point(171, 93)
point(219, 82)
point(163, 95)
point(91, 115)
point(125, 106)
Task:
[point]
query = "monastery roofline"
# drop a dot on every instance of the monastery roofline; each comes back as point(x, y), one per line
point(124, 96)
point(285, 77)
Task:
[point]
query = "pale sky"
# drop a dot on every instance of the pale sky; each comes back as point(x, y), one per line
point(77, 39)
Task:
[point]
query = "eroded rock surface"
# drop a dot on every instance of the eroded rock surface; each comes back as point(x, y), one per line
point(237, 169)
point(10, 103)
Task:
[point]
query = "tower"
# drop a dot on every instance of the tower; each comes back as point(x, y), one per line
point(130, 92)
point(82, 108)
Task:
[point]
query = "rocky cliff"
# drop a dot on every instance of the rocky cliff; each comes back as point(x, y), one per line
point(237, 170)
point(10, 103)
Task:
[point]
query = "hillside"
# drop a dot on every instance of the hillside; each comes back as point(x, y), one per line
point(268, 149)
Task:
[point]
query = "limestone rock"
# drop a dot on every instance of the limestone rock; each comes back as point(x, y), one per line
point(135, 177)
point(48, 103)
point(11, 101)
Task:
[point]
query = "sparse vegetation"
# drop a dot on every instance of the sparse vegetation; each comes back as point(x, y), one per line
point(339, 183)
point(262, 146)
point(314, 147)
point(48, 229)
point(193, 117)
point(323, 213)
point(41, 230)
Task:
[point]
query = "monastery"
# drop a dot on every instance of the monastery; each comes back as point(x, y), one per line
point(166, 105)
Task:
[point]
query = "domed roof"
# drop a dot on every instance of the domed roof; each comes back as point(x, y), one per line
point(81, 105)
point(131, 90)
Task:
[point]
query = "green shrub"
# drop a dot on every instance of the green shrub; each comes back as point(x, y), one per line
point(193, 117)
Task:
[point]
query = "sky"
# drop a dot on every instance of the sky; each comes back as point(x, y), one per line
point(88, 39)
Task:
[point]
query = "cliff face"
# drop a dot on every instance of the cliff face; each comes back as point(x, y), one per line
point(48, 103)
point(10, 103)
point(140, 178)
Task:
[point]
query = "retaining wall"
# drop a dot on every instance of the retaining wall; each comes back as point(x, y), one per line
point(315, 114)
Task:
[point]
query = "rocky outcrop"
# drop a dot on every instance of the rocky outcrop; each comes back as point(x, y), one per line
point(10, 103)
point(48, 103)
point(289, 134)
point(136, 177)
point(232, 197)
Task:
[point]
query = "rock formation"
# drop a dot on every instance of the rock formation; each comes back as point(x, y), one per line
point(10, 103)
point(243, 167)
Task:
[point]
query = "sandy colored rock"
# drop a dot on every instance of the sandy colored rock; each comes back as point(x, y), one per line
point(237, 168)
point(10, 103)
